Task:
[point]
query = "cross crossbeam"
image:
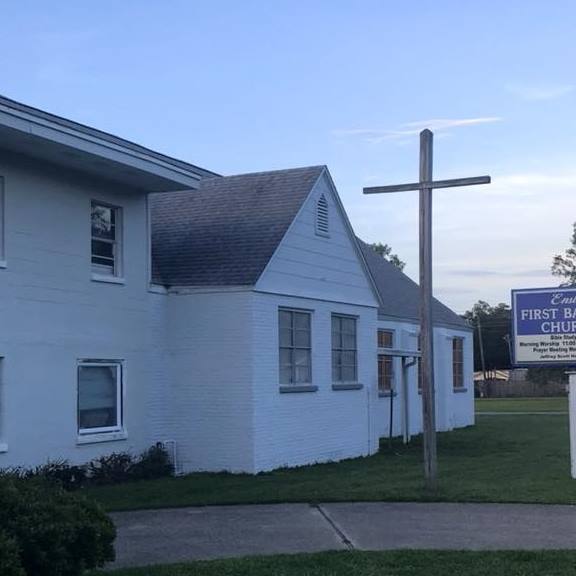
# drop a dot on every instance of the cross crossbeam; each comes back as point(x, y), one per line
point(434, 184)
point(425, 187)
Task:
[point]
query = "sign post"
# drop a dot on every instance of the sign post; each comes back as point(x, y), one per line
point(544, 335)
point(572, 409)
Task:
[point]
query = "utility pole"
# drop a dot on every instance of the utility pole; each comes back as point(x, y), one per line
point(481, 344)
point(425, 186)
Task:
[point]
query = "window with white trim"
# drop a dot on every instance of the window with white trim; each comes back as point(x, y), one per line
point(322, 219)
point(385, 362)
point(106, 223)
point(2, 220)
point(99, 396)
point(458, 362)
point(344, 349)
point(295, 347)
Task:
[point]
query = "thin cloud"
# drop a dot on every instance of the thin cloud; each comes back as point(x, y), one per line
point(540, 92)
point(514, 274)
point(446, 123)
point(409, 129)
point(539, 180)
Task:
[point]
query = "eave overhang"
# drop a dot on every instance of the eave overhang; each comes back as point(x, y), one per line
point(37, 134)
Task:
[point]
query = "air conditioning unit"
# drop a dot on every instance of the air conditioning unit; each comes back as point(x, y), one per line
point(171, 449)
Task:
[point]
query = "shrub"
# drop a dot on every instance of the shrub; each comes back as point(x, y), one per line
point(10, 564)
point(68, 476)
point(110, 469)
point(152, 463)
point(56, 533)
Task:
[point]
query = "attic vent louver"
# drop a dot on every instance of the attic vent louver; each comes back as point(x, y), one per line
point(322, 228)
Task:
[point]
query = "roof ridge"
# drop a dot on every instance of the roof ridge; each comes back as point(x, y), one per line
point(278, 171)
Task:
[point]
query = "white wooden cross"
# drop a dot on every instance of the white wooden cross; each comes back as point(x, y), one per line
point(425, 186)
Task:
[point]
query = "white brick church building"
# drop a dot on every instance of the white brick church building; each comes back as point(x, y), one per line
point(238, 319)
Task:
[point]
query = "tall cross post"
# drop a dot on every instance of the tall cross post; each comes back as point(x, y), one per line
point(425, 186)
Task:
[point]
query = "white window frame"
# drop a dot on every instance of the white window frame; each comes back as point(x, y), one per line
point(117, 243)
point(337, 349)
point(458, 385)
point(387, 359)
point(293, 347)
point(119, 366)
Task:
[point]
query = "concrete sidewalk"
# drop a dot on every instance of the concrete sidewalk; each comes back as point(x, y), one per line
point(176, 535)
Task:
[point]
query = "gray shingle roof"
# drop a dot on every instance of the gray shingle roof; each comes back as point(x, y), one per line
point(224, 233)
point(400, 294)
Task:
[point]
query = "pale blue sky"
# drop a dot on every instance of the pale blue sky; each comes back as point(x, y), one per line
point(256, 85)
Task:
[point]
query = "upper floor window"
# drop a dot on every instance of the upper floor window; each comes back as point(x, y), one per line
point(106, 239)
point(385, 362)
point(322, 221)
point(458, 362)
point(99, 396)
point(295, 347)
point(344, 349)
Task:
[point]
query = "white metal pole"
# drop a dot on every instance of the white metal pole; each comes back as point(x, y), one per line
point(572, 412)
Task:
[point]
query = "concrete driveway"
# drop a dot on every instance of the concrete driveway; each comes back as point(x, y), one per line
point(176, 535)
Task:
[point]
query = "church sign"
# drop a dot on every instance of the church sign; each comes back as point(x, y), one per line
point(544, 327)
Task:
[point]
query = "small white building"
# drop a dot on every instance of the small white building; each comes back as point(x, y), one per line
point(238, 319)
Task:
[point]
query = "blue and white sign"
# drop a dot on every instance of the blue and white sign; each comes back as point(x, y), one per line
point(544, 326)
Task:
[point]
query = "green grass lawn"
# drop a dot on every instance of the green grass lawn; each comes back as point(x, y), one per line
point(521, 404)
point(396, 563)
point(502, 459)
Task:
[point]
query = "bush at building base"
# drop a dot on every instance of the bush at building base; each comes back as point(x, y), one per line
point(53, 532)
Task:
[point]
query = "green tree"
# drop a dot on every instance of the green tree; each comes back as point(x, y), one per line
point(494, 324)
point(564, 265)
point(386, 252)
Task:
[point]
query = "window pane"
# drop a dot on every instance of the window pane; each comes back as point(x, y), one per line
point(336, 373)
point(295, 347)
point(302, 339)
point(301, 321)
point(348, 358)
point(348, 341)
point(103, 222)
point(97, 397)
point(348, 374)
point(302, 375)
point(302, 357)
point(381, 373)
point(385, 339)
point(285, 319)
point(458, 362)
point(286, 375)
point(285, 337)
point(103, 251)
point(285, 357)
point(349, 325)
point(385, 373)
